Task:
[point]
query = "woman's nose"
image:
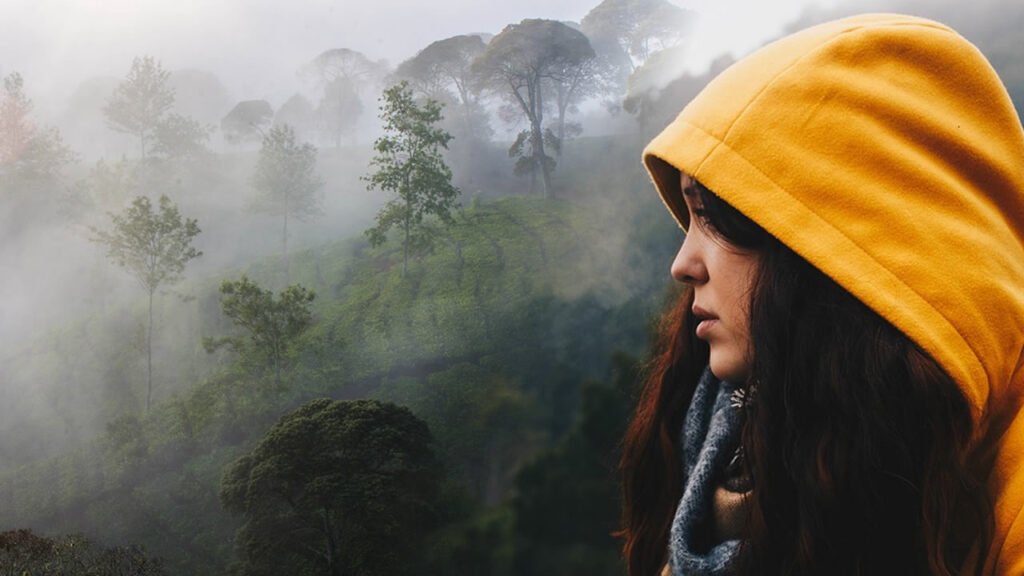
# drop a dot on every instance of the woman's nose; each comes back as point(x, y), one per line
point(688, 266)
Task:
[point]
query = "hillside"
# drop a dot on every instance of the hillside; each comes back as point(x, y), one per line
point(488, 337)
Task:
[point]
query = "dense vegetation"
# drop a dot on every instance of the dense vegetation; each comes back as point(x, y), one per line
point(445, 396)
point(488, 339)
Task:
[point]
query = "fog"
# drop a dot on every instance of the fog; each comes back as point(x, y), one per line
point(256, 46)
point(72, 323)
point(73, 54)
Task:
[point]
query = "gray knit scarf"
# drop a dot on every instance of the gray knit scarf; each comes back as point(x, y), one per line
point(710, 438)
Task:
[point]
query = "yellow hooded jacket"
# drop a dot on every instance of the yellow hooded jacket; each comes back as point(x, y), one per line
point(886, 152)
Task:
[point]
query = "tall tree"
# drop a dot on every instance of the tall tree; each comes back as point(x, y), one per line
point(342, 75)
point(298, 113)
point(443, 71)
point(572, 83)
point(247, 121)
point(339, 109)
point(656, 88)
point(27, 152)
point(153, 246)
point(178, 137)
point(351, 65)
point(409, 164)
point(334, 488)
point(271, 324)
point(638, 27)
point(139, 103)
point(286, 181)
point(16, 127)
point(521, 63)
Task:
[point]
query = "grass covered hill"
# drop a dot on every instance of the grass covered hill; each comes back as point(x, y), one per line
point(488, 337)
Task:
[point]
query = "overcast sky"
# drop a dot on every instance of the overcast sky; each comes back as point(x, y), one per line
point(255, 46)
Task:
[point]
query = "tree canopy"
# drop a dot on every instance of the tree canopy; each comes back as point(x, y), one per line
point(23, 552)
point(140, 101)
point(286, 181)
point(27, 152)
point(246, 121)
point(522, 64)
point(271, 324)
point(409, 164)
point(297, 112)
point(638, 27)
point(154, 248)
point(334, 487)
point(443, 70)
point(179, 137)
point(346, 63)
point(339, 109)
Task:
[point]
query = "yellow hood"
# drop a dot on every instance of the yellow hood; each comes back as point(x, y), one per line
point(885, 151)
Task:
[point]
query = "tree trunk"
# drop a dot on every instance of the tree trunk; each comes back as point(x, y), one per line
point(405, 243)
point(333, 562)
point(277, 366)
point(284, 245)
point(538, 141)
point(561, 126)
point(149, 353)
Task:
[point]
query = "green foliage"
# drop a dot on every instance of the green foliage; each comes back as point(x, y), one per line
point(27, 152)
point(271, 325)
point(246, 121)
point(334, 488)
point(489, 336)
point(126, 441)
point(443, 70)
point(139, 103)
point(15, 125)
point(154, 248)
point(567, 501)
point(409, 164)
point(106, 185)
point(151, 246)
point(179, 137)
point(286, 181)
point(24, 553)
point(484, 424)
point(526, 157)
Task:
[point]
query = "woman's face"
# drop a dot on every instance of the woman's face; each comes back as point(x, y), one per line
point(722, 277)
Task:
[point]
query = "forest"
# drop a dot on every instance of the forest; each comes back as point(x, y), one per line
point(392, 324)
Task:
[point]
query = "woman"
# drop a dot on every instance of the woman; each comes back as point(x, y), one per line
point(839, 387)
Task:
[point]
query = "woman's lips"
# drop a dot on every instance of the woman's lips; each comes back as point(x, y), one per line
point(707, 322)
point(704, 328)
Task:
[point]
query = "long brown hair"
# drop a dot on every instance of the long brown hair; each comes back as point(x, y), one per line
point(856, 440)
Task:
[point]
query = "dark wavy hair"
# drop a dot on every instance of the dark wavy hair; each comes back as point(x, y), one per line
point(857, 442)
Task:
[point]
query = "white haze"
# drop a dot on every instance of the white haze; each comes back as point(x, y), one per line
point(255, 46)
point(51, 277)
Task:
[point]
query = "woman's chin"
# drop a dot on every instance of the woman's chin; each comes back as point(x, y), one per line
point(729, 368)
